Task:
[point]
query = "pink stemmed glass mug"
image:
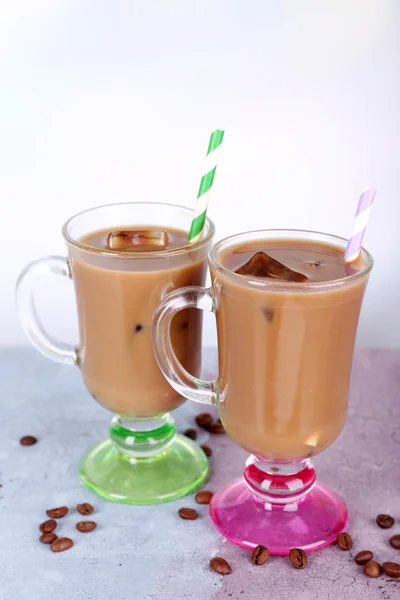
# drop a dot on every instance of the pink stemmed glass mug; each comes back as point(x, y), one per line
point(285, 353)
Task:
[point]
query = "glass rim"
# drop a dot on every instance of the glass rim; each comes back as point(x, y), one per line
point(273, 284)
point(126, 255)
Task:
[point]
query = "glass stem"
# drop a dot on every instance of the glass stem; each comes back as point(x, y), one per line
point(142, 438)
point(279, 483)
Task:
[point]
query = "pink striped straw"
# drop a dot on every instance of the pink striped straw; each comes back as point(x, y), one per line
point(360, 224)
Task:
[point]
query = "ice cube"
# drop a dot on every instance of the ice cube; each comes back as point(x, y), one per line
point(262, 264)
point(121, 240)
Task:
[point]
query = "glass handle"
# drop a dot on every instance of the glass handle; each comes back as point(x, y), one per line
point(183, 382)
point(24, 296)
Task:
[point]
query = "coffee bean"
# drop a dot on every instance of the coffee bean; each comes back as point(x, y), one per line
point(61, 544)
point(28, 440)
point(385, 521)
point(363, 557)
point(86, 526)
point(344, 541)
point(188, 514)
point(313, 263)
point(78, 357)
point(47, 538)
point(190, 433)
point(268, 313)
point(395, 541)
point(372, 568)
point(216, 428)
point(206, 449)
point(57, 513)
point(220, 565)
point(204, 420)
point(391, 569)
point(260, 555)
point(203, 497)
point(298, 558)
point(48, 526)
point(85, 508)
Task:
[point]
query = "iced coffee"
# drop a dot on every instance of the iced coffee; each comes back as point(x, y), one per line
point(116, 301)
point(287, 316)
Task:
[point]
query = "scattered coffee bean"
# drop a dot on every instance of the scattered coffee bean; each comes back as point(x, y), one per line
point(203, 497)
point(204, 420)
point(188, 514)
point(344, 541)
point(86, 526)
point(385, 521)
point(391, 569)
point(85, 508)
point(138, 328)
point(78, 357)
point(395, 541)
point(48, 526)
point(298, 558)
point(61, 544)
point(220, 565)
point(216, 428)
point(28, 440)
point(47, 538)
point(57, 513)
point(190, 433)
point(206, 449)
point(363, 557)
point(372, 568)
point(260, 555)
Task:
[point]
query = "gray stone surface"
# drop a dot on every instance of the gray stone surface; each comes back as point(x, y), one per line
point(148, 553)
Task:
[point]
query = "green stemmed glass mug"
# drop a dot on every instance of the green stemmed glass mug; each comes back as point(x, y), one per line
point(144, 460)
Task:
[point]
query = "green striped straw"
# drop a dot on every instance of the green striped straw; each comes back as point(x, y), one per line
point(203, 196)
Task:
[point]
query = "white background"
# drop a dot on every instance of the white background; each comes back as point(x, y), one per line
point(114, 101)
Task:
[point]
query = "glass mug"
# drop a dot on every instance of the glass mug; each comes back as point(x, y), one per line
point(144, 460)
point(285, 353)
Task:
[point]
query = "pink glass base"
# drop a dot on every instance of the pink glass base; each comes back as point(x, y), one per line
point(309, 523)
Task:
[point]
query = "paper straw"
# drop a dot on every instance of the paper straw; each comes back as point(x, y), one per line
point(203, 196)
point(360, 224)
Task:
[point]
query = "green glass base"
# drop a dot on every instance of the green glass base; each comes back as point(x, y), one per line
point(120, 477)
